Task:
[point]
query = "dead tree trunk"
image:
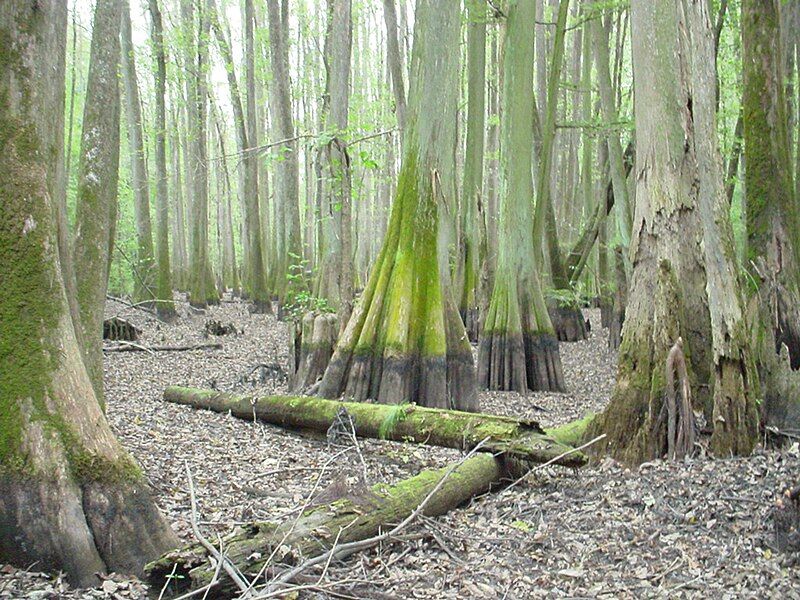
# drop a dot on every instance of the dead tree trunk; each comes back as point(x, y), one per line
point(351, 518)
point(522, 439)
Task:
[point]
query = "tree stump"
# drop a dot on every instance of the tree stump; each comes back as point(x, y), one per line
point(568, 321)
point(117, 329)
point(313, 342)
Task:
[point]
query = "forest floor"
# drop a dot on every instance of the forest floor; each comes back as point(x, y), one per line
point(699, 528)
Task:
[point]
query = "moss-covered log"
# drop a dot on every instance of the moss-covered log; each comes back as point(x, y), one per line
point(352, 518)
point(518, 349)
point(449, 428)
point(405, 341)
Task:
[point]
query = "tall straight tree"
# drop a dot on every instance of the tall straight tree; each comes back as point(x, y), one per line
point(164, 303)
point(335, 277)
point(288, 170)
point(144, 281)
point(201, 281)
point(395, 62)
point(71, 498)
point(518, 349)
point(773, 217)
point(98, 172)
point(405, 341)
point(472, 187)
point(684, 275)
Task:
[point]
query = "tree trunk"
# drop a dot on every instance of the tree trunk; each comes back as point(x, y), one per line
point(395, 62)
point(98, 172)
point(144, 279)
point(202, 291)
point(522, 439)
point(405, 341)
point(286, 188)
point(610, 115)
point(165, 306)
point(335, 274)
point(773, 223)
point(518, 349)
point(683, 283)
point(71, 498)
point(472, 186)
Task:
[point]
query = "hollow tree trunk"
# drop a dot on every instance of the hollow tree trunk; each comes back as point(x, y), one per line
point(98, 173)
point(518, 349)
point(164, 305)
point(678, 228)
point(144, 280)
point(71, 498)
point(405, 341)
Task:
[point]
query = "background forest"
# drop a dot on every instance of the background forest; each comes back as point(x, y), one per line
point(522, 234)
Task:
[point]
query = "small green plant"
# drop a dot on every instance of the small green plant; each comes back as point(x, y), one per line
point(565, 298)
point(396, 414)
point(299, 298)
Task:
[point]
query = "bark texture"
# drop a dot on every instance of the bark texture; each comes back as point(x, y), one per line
point(98, 173)
point(518, 349)
point(405, 341)
point(71, 498)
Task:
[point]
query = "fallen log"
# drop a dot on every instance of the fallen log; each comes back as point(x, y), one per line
point(317, 530)
point(128, 347)
point(518, 438)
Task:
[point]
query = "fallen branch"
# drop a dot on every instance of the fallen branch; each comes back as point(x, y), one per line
point(352, 522)
point(517, 438)
point(131, 347)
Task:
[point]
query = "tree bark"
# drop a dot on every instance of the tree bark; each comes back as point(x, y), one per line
point(522, 439)
point(165, 307)
point(286, 188)
point(71, 498)
point(518, 349)
point(773, 223)
point(405, 341)
point(98, 173)
point(145, 281)
point(395, 62)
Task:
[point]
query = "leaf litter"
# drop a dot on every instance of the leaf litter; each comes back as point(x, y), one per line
point(692, 529)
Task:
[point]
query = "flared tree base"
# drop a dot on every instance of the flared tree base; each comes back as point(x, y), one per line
point(83, 530)
point(471, 319)
point(514, 362)
point(569, 322)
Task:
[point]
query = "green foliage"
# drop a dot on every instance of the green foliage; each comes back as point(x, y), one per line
point(396, 415)
point(299, 297)
point(566, 298)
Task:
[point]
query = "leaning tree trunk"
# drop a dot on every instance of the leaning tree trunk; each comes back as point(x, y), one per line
point(98, 172)
point(164, 304)
point(773, 222)
point(144, 280)
point(405, 341)
point(71, 498)
point(672, 295)
point(518, 349)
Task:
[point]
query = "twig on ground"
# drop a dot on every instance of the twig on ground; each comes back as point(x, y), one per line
point(355, 546)
point(229, 567)
point(131, 347)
